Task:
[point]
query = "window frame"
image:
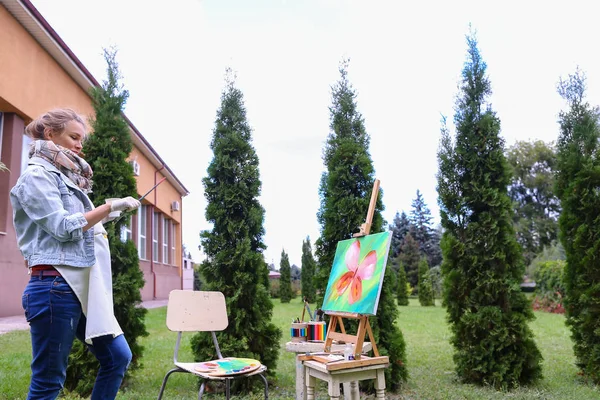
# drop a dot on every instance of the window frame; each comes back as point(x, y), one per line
point(166, 235)
point(142, 232)
point(155, 233)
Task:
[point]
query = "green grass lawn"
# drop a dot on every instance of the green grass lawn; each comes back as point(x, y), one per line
point(428, 351)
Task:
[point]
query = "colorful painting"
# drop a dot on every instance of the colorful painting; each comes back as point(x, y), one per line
point(357, 274)
point(228, 366)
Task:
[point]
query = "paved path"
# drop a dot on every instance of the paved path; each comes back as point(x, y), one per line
point(18, 323)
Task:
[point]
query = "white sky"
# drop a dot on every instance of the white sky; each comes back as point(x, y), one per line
point(406, 59)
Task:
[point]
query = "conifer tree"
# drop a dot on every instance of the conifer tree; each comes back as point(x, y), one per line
point(285, 280)
point(577, 186)
point(345, 192)
point(426, 297)
point(401, 291)
point(424, 234)
point(482, 264)
point(234, 246)
point(107, 149)
point(400, 227)
point(409, 257)
point(309, 267)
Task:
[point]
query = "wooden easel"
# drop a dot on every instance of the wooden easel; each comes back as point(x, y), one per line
point(364, 328)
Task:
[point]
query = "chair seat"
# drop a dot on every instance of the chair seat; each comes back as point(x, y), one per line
point(191, 368)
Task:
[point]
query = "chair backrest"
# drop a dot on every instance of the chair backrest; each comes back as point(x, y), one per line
point(194, 311)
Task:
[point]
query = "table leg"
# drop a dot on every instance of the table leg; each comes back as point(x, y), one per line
point(310, 387)
point(380, 385)
point(347, 391)
point(333, 389)
point(300, 380)
point(354, 391)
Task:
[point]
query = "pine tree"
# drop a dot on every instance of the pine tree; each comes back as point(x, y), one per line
point(400, 227)
point(107, 149)
point(309, 266)
point(410, 257)
point(285, 281)
point(345, 192)
point(427, 238)
point(426, 297)
point(401, 291)
point(577, 186)
point(235, 264)
point(482, 264)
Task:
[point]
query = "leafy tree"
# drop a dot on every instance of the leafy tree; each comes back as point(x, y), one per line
point(482, 264)
point(309, 266)
point(531, 190)
point(577, 184)
point(295, 274)
point(400, 227)
point(410, 257)
point(107, 149)
point(401, 290)
point(234, 246)
point(426, 297)
point(345, 193)
point(285, 281)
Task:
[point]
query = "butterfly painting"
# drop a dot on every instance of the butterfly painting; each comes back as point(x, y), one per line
point(357, 274)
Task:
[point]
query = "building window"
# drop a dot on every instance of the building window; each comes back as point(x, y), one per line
point(142, 232)
point(165, 239)
point(25, 152)
point(1, 126)
point(172, 240)
point(126, 231)
point(155, 217)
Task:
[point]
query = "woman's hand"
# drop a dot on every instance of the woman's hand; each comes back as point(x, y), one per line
point(124, 204)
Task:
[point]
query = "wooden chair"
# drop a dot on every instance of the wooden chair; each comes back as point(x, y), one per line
point(194, 311)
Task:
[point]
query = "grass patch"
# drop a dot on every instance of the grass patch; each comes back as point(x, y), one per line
point(428, 350)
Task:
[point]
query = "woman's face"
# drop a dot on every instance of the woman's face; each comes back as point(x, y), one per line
point(71, 138)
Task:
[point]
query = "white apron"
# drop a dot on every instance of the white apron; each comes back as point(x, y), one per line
point(93, 287)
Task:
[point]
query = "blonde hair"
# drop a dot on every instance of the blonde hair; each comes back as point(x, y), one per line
point(56, 120)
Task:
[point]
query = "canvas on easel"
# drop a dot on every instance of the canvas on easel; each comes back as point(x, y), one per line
point(357, 274)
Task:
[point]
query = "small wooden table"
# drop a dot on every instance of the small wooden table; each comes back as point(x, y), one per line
point(312, 347)
point(317, 370)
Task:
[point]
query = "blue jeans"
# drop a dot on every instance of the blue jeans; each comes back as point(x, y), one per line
point(55, 317)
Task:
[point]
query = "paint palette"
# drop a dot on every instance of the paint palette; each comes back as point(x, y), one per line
point(228, 366)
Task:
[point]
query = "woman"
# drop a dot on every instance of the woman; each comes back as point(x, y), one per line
point(61, 236)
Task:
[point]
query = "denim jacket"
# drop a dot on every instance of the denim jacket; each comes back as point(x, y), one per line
point(48, 217)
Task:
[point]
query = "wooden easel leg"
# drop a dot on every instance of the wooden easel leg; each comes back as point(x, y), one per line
point(380, 385)
point(372, 339)
point(360, 337)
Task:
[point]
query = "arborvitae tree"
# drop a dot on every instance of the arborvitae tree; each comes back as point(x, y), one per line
point(482, 264)
point(401, 291)
point(285, 281)
point(577, 186)
point(107, 149)
point(400, 227)
point(309, 267)
point(536, 206)
point(426, 297)
point(410, 257)
point(345, 192)
point(234, 246)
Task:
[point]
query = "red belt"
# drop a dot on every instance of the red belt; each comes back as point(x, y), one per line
point(44, 270)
